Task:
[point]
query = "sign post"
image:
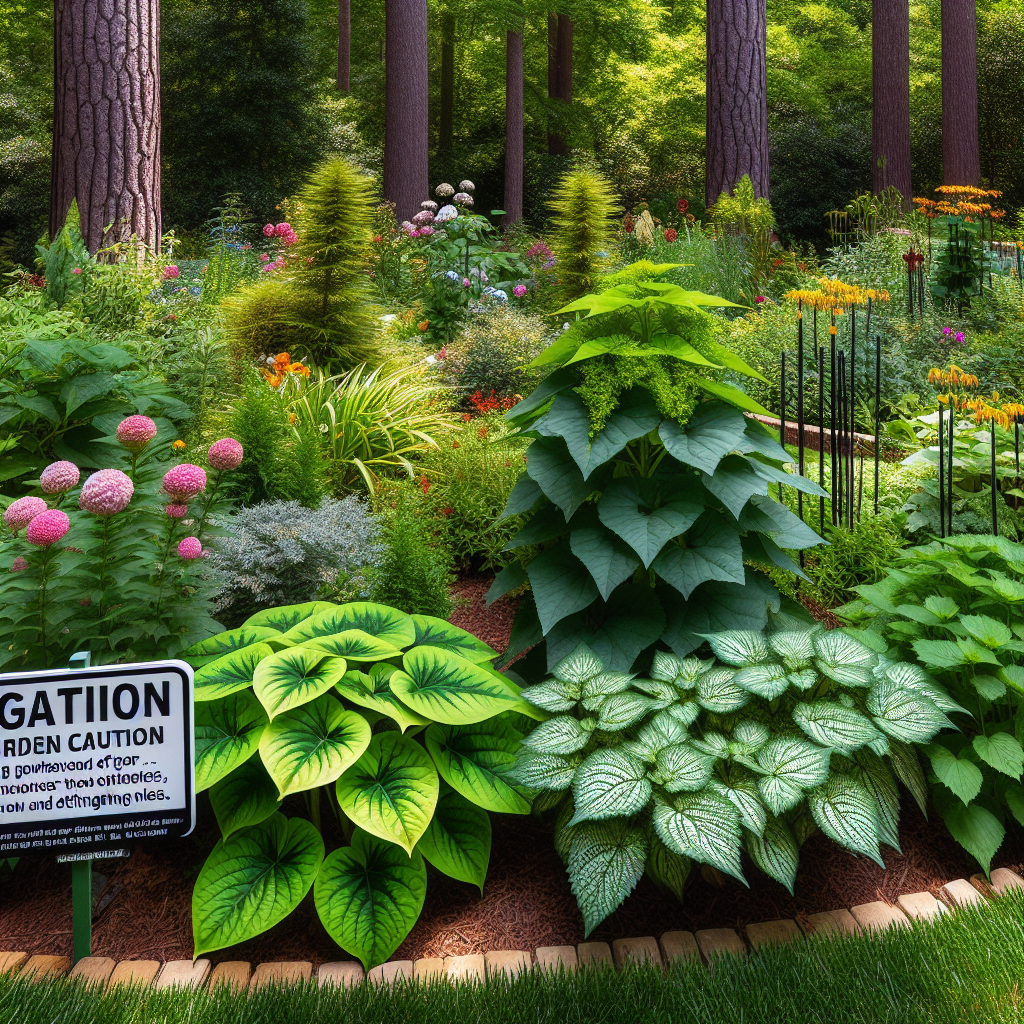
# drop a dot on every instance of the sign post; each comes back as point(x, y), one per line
point(90, 759)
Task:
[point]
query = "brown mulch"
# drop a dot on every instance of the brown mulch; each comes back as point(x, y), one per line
point(526, 902)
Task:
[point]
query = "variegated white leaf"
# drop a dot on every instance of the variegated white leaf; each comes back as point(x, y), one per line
point(703, 826)
point(561, 735)
point(847, 813)
point(622, 710)
point(739, 646)
point(717, 692)
point(832, 725)
point(579, 666)
point(610, 784)
point(904, 714)
point(544, 771)
point(796, 647)
point(775, 852)
point(683, 769)
point(875, 775)
point(767, 680)
point(553, 695)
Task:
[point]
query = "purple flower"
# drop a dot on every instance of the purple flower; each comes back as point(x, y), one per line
point(20, 564)
point(960, 337)
point(463, 198)
point(106, 492)
point(184, 482)
point(59, 477)
point(226, 453)
point(47, 528)
point(190, 548)
point(519, 291)
point(21, 512)
point(135, 432)
point(465, 282)
point(423, 217)
point(426, 230)
point(947, 330)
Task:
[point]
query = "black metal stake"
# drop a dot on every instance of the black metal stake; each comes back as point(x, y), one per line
point(832, 416)
point(839, 484)
point(851, 405)
point(949, 465)
point(878, 410)
point(942, 471)
point(782, 410)
point(800, 410)
point(995, 483)
point(821, 433)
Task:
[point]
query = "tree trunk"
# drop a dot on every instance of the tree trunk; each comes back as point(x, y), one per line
point(556, 147)
point(961, 158)
point(106, 120)
point(344, 45)
point(406, 125)
point(890, 89)
point(737, 107)
point(513, 202)
point(565, 58)
point(446, 130)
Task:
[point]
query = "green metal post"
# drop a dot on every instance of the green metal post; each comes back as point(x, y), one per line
point(81, 907)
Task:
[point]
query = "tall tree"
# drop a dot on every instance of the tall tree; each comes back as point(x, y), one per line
point(890, 91)
point(406, 128)
point(513, 202)
point(344, 45)
point(961, 156)
point(737, 105)
point(106, 119)
point(446, 120)
point(560, 42)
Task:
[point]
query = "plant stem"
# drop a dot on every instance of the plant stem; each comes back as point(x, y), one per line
point(103, 565)
point(207, 505)
point(163, 563)
point(46, 556)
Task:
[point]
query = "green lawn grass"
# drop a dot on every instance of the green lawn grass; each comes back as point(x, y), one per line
point(966, 969)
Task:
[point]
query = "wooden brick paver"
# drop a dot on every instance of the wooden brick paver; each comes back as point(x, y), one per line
point(93, 970)
point(960, 893)
point(714, 942)
point(134, 972)
point(679, 946)
point(509, 962)
point(557, 958)
point(1003, 880)
point(342, 973)
point(183, 974)
point(233, 973)
point(594, 954)
point(636, 951)
point(769, 933)
point(878, 916)
point(11, 961)
point(43, 966)
point(429, 968)
point(391, 973)
point(281, 972)
point(920, 906)
point(831, 922)
point(469, 968)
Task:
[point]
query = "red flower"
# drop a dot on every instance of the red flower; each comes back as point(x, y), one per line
point(682, 206)
point(671, 235)
point(627, 223)
point(466, 416)
point(482, 432)
point(455, 444)
point(447, 510)
point(424, 484)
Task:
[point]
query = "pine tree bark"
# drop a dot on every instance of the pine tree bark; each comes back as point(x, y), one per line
point(447, 116)
point(737, 105)
point(961, 155)
point(513, 201)
point(344, 45)
point(564, 62)
point(406, 125)
point(106, 120)
point(890, 90)
point(556, 145)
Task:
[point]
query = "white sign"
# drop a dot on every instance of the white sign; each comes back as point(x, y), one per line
point(93, 758)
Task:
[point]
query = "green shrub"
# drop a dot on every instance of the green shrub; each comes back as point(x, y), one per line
point(956, 607)
point(795, 731)
point(583, 204)
point(398, 719)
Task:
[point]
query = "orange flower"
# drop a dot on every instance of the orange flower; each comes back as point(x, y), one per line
point(424, 325)
point(178, 445)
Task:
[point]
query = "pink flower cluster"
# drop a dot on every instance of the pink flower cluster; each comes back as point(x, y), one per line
point(22, 511)
point(190, 548)
point(135, 432)
point(277, 264)
point(171, 272)
point(106, 492)
point(59, 477)
point(47, 528)
point(960, 340)
point(225, 454)
point(184, 482)
point(282, 231)
point(519, 291)
point(538, 249)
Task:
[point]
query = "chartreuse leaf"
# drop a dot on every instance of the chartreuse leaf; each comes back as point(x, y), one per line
point(960, 774)
point(1002, 752)
point(974, 827)
point(214, 647)
point(666, 868)
point(434, 632)
point(445, 688)
point(227, 732)
point(230, 673)
point(704, 827)
point(312, 745)
point(369, 895)
point(245, 797)
point(372, 691)
point(610, 783)
point(353, 645)
point(731, 395)
point(846, 812)
point(294, 677)
point(253, 880)
point(388, 624)
point(391, 790)
point(605, 861)
point(458, 839)
point(476, 761)
point(775, 852)
point(283, 618)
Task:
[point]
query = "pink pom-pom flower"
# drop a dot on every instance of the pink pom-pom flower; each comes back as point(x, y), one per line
point(135, 432)
point(171, 272)
point(225, 454)
point(184, 482)
point(106, 492)
point(268, 230)
point(282, 229)
point(59, 477)
point(190, 548)
point(47, 528)
point(519, 291)
point(177, 511)
point(21, 512)
point(20, 564)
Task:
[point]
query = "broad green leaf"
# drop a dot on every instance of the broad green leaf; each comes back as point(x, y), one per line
point(734, 483)
point(712, 432)
point(846, 812)
point(568, 419)
point(227, 732)
point(522, 498)
point(907, 766)
point(1014, 799)
point(621, 710)
point(873, 773)
point(476, 760)
point(787, 530)
point(605, 861)
point(974, 827)
point(1002, 752)
point(312, 745)
point(245, 797)
point(986, 630)
point(940, 653)
point(630, 421)
point(732, 361)
point(283, 618)
point(944, 608)
point(549, 463)
point(434, 632)
point(387, 624)
point(830, 724)
point(214, 647)
point(510, 578)
point(561, 585)
point(559, 735)
point(704, 827)
point(775, 852)
point(713, 551)
point(739, 646)
point(666, 868)
point(544, 771)
point(961, 775)
point(683, 769)
point(731, 395)
point(445, 688)
point(253, 880)
point(609, 560)
point(790, 766)
point(758, 439)
point(717, 691)
point(369, 895)
point(391, 790)
point(610, 783)
point(904, 714)
point(636, 512)
point(352, 645)
point(372, 691)
point(458, 839)
point(779, 476)
point(230, 673)
point(677, 347)
point(844, 659)
point(294, 677)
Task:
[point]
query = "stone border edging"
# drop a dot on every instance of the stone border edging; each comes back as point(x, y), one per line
point(705, 944)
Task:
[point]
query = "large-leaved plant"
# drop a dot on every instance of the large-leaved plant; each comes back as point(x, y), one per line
point(704, 759)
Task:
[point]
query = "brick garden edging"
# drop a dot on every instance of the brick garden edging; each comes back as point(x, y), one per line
point(705, 944)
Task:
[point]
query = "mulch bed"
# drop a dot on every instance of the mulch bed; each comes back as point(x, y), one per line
point(526, 903)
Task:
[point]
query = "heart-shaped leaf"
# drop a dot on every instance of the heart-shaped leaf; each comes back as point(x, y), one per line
point(609, 560)
point(846, 812)
point(667, 869)
point(286, 616)
point(294, 677)
point(369, 895)
point(245, 797)
point(458, 839)
point(960, 774)
point(353, 645)
point(830, 724)
point(230, 673)
point(371, 690)
point(714, 431)
point(434, 632)
point(312, 745)
point(610, 783)
point(253, 880)
point(644, 517)
point(561, 585)
point(549, 463)
point(734, 483)
point(388, 624)
point(775, 852)
point(214, 647)
point(227, 731)
point(1002, 752)
point(713, 551)
point(904, 714)
point(391, 791)
point(703, 826)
